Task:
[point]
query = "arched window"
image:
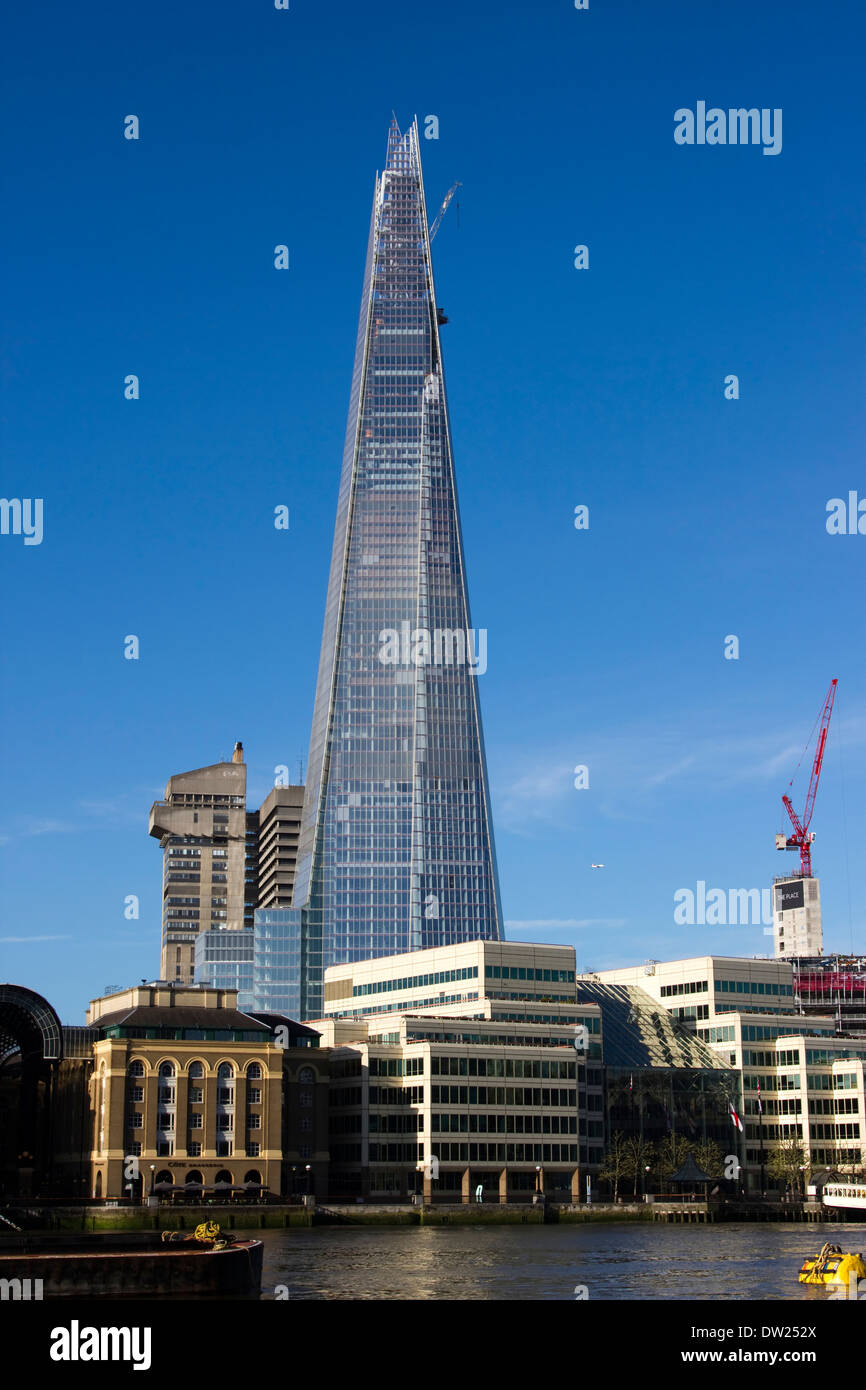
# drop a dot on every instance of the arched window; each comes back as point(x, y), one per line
point(195, 1178)
point(136, 1069)
point(223, 1178)
point(226, 1071)
point(166, 1068)
point(164, 1177)
point(253, 1177)
point(196, 1070)
point(97, 1191)
point(306, 1076)
point(254, 1072)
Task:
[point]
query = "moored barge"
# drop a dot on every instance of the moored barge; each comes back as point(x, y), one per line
point(121, 1264)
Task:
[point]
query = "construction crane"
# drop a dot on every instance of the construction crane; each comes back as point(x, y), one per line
point(802, 839)
point(444, 208)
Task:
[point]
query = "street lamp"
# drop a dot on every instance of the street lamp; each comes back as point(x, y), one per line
point(152, 1171)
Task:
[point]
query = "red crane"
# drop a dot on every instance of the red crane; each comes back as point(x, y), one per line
point(801, 838)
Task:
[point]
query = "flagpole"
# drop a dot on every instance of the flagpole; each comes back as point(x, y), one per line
point(761, 1138)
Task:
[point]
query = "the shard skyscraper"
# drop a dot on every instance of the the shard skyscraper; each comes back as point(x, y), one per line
point(396, 848)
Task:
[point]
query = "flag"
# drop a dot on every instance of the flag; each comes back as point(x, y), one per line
point(735, 1119)
point(760, 1106)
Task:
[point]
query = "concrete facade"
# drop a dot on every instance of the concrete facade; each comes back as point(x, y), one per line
point(279, 826)
point(202, 829)
point(797, 929)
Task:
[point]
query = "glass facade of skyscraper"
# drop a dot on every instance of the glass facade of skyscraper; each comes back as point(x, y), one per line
point(225, 959)
point(396, 847)
point(277, 961)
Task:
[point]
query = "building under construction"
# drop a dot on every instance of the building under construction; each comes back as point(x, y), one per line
point(797, 929)
point(832, 985)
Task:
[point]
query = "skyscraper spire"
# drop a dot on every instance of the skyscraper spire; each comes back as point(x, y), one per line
point(396, 849)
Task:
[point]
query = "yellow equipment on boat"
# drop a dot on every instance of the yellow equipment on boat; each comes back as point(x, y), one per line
point(833, 1266)
point(206, 1233)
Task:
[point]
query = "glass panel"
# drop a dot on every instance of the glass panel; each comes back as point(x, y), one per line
point(396, 850)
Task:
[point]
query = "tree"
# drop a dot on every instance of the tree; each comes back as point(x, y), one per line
point(672, 1152)
point(786, 1162)
point(639, 1153)
point(710, 1157)
point(615, 1162)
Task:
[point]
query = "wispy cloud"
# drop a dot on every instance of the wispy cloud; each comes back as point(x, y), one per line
point(538, 796)
point(26, 940)
point(563, 923)
point(44, 827)
point(658, 778)
point(635, 767)
point(131, 808)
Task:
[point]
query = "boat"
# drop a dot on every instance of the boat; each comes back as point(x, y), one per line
point(139, 1263)
point(833, 1266)
point(847, 1196)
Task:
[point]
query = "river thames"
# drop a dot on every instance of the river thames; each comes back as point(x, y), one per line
point(619, 1261)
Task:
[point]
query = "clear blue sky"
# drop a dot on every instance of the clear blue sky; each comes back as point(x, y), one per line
point(604, 387)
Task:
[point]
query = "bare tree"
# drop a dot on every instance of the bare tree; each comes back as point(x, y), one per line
point(639, 1154)
point(710, 1157)
point(615, 1162)
point(787, 1162)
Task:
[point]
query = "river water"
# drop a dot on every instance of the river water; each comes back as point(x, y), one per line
point(612, 1262)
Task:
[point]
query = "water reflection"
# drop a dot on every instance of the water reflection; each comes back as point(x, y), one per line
point(655, 1262)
